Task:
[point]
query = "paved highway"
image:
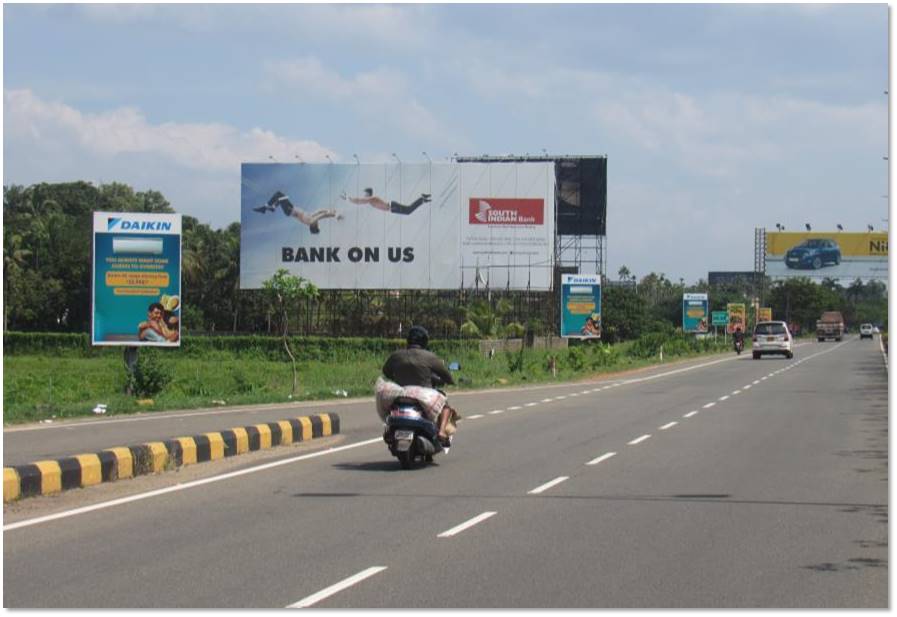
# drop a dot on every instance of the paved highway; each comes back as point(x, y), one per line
point(720, 483)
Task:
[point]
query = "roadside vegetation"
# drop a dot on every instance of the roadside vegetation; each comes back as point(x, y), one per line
point(291, 341)
point(40, 384)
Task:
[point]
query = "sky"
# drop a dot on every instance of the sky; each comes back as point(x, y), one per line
point(715, 119)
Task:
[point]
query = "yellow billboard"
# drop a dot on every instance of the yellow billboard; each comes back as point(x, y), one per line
point(764, 313)
point(834, 254)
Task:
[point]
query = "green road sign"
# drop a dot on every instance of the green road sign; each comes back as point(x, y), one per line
point(719, 318)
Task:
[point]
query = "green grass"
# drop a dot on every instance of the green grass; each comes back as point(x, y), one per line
point(37, 387)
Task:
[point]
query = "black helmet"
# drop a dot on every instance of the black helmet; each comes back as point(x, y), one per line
point(418, 335)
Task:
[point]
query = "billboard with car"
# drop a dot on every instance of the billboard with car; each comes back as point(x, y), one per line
point(836, 254)
point(399, 226)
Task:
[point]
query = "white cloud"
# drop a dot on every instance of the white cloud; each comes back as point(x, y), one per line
point(210, 147)
point(381, 95)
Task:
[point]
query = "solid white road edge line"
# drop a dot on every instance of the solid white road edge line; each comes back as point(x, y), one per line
point(185, 486)
point(548, 485)
point(456, 530)
point(333, 589)
point(638, 440)
point(601, 458)
point(668, 425)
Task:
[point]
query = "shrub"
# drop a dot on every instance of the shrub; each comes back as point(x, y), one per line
point(150, 375)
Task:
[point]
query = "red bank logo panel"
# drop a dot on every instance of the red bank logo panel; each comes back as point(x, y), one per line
point(506, 211)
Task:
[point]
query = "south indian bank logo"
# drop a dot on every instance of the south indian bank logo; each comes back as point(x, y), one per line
point(506, 211)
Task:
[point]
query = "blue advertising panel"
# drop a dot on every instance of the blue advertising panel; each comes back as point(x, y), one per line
point(136, 295)
point(695, 310)
point(581, 306)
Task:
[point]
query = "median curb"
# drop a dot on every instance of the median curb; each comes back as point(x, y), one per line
point(52, 476)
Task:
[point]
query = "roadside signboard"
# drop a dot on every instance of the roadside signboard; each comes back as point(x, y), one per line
point(581, 305)
point(719, 318)
point(737, 318)
point(695, 307)
point(136, 282)
point(764, 313)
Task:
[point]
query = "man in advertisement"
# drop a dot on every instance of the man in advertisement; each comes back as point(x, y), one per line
point(279, 199)
point(393, 206)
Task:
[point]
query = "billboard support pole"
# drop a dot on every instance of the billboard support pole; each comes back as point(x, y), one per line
point(131, 365)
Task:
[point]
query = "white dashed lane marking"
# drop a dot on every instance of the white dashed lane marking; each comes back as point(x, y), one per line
point(638, 440)
point(466, 525)
point(496, 412)
point(476, 417)
point(601, 458)
point(708, 405)
point(690, 414)
point(514, 407)
point(547, 485)
point(668, 425)
point(724, 398)
point(531, 404)
point(334, 589)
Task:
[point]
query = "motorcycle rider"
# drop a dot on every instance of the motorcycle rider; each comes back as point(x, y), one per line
point(738, 337)
point(417, 366)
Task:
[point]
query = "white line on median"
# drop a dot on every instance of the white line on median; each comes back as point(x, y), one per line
point(690, 414)
point(668, 425)
point(603, 457)
point(638, 440)
point(709, 405)
point(456, 530)
point(334, 589)
point(548, 485)
point(186, 485)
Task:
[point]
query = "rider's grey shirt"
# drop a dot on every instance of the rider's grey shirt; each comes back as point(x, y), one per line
point(416, 367)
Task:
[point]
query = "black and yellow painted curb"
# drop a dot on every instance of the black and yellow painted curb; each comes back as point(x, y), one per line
point(81, 470)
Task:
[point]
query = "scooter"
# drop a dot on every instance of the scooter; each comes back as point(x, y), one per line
point(410, 435)
point(739, 346)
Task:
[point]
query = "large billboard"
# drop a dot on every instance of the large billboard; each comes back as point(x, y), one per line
point(835, 254)
point(136, 296)
point(581, 305)
point(405, 226)
point(695, 312)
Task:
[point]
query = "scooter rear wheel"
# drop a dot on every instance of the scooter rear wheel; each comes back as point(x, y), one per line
point(406, 458)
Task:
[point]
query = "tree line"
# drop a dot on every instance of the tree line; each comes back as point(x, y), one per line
point(46, 283)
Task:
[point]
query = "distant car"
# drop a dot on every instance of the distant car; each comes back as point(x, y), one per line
point(772, 337)
point(867, 330)
point(813, 253)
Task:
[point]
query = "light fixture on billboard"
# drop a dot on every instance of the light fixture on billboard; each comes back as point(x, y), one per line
point(779, 226)
point(870, 227)
point(272, 158)
point(299, 158)
point(396, 158)
point(327, 156)
point(840, 228)
point(427, 157)
point(808, 226)
point(355, 156)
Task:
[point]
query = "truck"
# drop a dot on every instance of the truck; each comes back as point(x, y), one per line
point(830, 325)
